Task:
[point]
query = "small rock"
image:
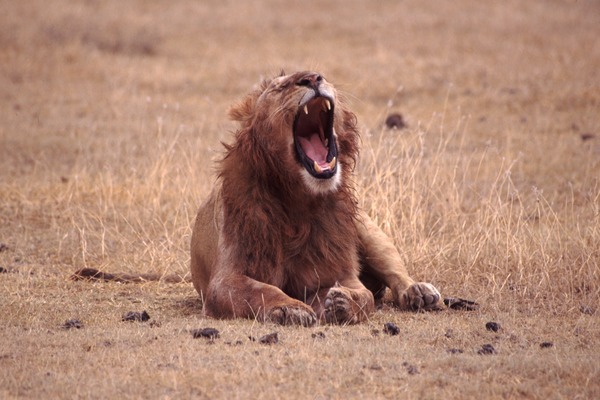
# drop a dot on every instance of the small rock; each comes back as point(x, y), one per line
point(318, 335)
point(493, 326)
point(487, 349)
point(587, 136)
point(136, 316)
point(72, 323)
point(391, 329)
point(207, 333)
point(375, 332)
point(411, 369)
point(546, 345)
point(395, 121)
point(449, 333)
point(3, 270)
point(3, 247)
point(271, 338)
point(455, 351)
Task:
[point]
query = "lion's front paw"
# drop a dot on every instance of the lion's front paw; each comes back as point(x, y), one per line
point(341, 307)
point(420, 296)
point(292, 315)
point(338, 306)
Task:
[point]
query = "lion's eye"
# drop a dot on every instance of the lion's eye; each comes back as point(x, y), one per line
point(313, 79)
point(281, 86)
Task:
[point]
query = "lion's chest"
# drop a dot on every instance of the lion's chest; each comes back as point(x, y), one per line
point(296, 247)
point(316, 254)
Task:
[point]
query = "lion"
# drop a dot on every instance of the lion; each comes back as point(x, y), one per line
point(281, 237)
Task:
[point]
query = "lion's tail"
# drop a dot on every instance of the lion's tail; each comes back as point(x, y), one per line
point(94, 274)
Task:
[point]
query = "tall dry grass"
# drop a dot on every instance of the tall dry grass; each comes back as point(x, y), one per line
point(455, 211)
point(462, 216)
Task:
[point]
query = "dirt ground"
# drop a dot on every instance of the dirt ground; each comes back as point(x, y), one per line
point(112, 113)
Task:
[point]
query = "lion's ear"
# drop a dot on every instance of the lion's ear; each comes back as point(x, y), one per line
point(243, 110)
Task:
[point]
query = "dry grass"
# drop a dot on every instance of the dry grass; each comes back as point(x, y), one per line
point(111, 114)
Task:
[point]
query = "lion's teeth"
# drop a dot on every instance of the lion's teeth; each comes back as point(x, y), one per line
point(317, 168)
point(306, 109)
point(332, 163)
point(328, 105)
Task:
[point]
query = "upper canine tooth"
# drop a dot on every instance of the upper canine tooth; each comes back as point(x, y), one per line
point(306, 109)
point(332, 163)
point(328, 105)
point(317, 168)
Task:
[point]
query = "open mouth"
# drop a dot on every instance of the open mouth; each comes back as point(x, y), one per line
point(313, 137)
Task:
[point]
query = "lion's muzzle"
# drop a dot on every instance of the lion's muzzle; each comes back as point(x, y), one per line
point(314, 138)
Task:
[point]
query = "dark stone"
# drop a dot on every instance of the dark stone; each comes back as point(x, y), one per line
point(207, 333)
point(271, 338)
point(493, 326)
point(136, 316)
point(487, 349)
point(411, 369)
point(72, 323)
point(391, 329)
point(318, 335)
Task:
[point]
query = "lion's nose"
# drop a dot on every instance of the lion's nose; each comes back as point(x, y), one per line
point(312, 80)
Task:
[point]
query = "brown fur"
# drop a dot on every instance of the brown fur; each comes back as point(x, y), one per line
point(267, 245)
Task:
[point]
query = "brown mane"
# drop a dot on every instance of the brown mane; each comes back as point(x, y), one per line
point(285, 224)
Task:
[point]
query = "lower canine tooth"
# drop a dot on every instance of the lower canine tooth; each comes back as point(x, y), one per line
point(332, 163)
point(305, 109)
point(317, 168)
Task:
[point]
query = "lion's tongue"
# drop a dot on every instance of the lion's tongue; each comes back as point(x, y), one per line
point(314, 149)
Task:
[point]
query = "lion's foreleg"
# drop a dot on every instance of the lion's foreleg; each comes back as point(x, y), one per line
point(347, 302)
point(235, 295)
point(381, 260)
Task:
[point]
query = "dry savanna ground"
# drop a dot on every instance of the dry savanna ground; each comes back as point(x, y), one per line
point(112, 113)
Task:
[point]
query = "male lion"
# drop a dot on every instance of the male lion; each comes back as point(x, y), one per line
point(281, 238)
